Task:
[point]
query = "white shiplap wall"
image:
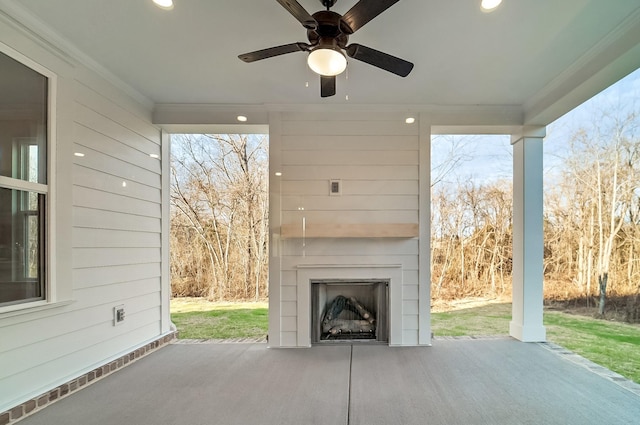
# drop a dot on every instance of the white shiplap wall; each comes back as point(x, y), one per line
point(107, 246)
point(377, 159)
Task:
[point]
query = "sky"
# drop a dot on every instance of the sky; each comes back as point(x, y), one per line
point(489, 158)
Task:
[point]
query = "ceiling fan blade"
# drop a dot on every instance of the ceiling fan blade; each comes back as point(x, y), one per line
point(379, 59)
point(273, 51)
point(300, 13)
point(327, 86)
point(362, 12)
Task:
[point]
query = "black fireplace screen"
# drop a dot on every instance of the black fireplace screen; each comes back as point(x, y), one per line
point(349, 310)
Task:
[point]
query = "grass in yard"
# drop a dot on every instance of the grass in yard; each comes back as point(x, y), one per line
point(613, 345)
point(201, 319)
point(490, 319)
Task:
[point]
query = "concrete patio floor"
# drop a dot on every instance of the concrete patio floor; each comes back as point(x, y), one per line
point(456, 381)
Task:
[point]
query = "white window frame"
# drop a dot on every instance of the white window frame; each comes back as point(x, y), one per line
point(48, 189)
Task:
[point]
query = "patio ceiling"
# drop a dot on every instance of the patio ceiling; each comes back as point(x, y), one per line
point(542, 56)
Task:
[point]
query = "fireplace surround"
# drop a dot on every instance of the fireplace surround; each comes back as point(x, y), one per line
point(307, 274)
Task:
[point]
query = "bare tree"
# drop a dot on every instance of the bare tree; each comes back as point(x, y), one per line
point(219, 195)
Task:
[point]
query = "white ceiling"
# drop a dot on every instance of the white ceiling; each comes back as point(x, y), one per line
point(542, 56)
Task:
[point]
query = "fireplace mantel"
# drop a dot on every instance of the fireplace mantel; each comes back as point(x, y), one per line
point(348, 266)
point(350, 230)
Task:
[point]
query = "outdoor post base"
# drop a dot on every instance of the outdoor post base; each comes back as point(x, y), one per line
point(528, 333)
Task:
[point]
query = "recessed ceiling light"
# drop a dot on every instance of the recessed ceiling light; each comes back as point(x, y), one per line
point(164, 4)
point(241, 118)
point(489, 5)
point(278, 174)
point(79, 154)
point(410, 120)
point(154, 155)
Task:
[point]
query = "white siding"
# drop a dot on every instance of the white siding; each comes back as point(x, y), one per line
point(377, 160)
point(108, 220)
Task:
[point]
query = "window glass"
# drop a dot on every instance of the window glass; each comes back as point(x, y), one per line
point(21, 246)
point(23, 182)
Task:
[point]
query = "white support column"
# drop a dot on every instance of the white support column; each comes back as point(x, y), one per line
point(526, 323)
point(165, 274)
point(424, 246)
point(275, 259)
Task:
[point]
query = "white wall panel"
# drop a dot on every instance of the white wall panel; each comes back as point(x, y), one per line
point(100, 219)
point(114, 276)
point(95, 179)
point(409, 262)
point(367, 246)
point(410, 307)
point(91, 198)
point(410, 292)
point(105, 257)
point(107, 103)
point(87, 315)
point(349, 172)
point(367, 216)
point(350, 157)
point(89, 138)
point(109, 233)
point(93, 238)
point(112, 166)
point(289, 324)
point(348, 128)
point(350, 187)
point(353, 142)
point(104, 124)
point(89, 331)
point(350, 203)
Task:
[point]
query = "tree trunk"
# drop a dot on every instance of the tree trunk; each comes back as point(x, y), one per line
point(602, 281)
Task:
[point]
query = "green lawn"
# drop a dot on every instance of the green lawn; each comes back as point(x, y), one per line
point(613, 345)
point(200, 319)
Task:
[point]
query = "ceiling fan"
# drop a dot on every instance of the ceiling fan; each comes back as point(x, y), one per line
point(328, 33)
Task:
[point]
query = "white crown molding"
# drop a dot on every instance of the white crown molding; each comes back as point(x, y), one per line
point(37, 30)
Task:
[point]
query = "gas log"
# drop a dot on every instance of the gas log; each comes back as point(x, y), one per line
point(361, 310)
point(332, 325)
point(338, 326)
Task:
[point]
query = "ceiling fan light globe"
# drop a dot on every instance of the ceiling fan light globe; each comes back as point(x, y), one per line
point(489, 5)
point(327, 62)
point(164, 4)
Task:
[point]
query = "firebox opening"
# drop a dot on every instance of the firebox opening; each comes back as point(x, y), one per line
point(349, 311)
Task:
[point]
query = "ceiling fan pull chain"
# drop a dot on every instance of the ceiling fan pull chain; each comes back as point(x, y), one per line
point(346, 83)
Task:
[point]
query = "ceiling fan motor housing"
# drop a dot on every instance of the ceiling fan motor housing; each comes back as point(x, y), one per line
point(328, 33)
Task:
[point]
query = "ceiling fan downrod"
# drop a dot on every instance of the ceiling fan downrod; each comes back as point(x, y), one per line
point(328, 3)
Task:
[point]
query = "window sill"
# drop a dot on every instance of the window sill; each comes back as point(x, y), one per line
point(18, 309)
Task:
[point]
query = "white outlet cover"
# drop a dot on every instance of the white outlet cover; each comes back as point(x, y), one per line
point(335, 187)
point(115, 314)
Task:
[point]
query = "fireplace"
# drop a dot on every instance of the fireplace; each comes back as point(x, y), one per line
point(378, 287)
point(349, 311)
